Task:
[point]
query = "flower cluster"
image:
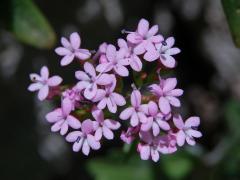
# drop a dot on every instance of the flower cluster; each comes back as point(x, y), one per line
point(92, 109)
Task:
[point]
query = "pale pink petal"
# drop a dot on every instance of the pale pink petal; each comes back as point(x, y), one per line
point(83, 84)
point(87, 126)
point(67, 59)
point(57, 126)
point(90, 91)
point(88, 67)
point(81, 75)
point(194, 133)
point(122, 43)
point(155, 129)
point(99, 95)
point(35, 77)
point(64, 128)
point(126, 113)
point(111, 52)
point(134, 38)
point(152, 108)
point(118, 99)
point(151, 55)
point(111, 124)
point(139, 49)
point(98, 134)
point(121, 70)
point(54, 116)
point(107, 133)
point(169, 84)
point(192, 122)
point(97, 114)
point(75, 40)
point(156, 39)
point(178, 122)
point(123, 62)
point(134, 121)
point(181, 138)
point(73, 122)
point(164, 105)
point(35, 86)
point(54, 81)
point(146, 126)
point(92, 142)
point(190, 141)
point(155, 155)
point(66, 106)
point(175, 92)
point(168, 61)
point(143, 27)
point(112, 107)
point(163, 125)
point(65, 43)
point(142, 117)
point(82, 54)
point(62, 51)
point(44, 72)
point(136, 98)
point(121, 53)
point(145, 152)
point(104, 79)
point(73, 136)
point(78, 145)
point(173, 51)
point(104, 67)
point(136, 63)
point(152, 31)
point(86, 148)
point(174, 101)
point(43, 93)
point(102, 104)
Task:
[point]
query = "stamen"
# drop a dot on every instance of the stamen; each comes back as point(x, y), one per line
point(133, 86)
point(123, 31)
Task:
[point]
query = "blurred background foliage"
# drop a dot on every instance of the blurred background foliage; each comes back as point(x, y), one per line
point(208, 69)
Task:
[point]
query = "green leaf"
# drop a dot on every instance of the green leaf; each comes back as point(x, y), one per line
point(112, 168)
point(232, 12)
point(30, 26)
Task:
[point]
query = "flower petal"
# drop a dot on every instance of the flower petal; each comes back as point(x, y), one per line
point(75, 40)
point(192, 122)
point(43, 93)
point(107, 133)
point(111, 124)
point(112, 107)
point(143, 27)
point(54, 81)
point(118, 99)
point(151, 55)
point(85, 148)
point(164, 105)
point(169, 84)
point(88, 68)
point(126, 113)
point(73, 122)
point(35, 86)
point(92, 142)
point(67, 59)
point(121, 70)
point(181, 138)
point(145, 152)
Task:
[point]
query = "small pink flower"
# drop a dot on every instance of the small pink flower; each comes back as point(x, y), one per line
point(74, 95)
point(129, 136)
point(144, 37)
point(84, 139)
point(62, 119)
point(116, 62)
point(71, 49)
point(187, 130)
point(168, 143)
point(135, 113)
point(89, 80)
point(149, 148)
point(104, 126)
point(43, 82)
point(107, 97)
point(167, 94)
point(156, 120)
point(164, 52)
point(134, 60)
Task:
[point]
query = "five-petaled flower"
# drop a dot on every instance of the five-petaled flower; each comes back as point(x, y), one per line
point(43, 82)
point(71, 49)
point(62, 119)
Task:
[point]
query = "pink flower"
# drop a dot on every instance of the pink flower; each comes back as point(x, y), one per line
point(167, 94)
point(144, 37)
point(135, 113)
point(101, 53)
point(149, 148)
point(187, 130)
point(107, 97)
point(62, 119)
point(163, 52)
point(116, 62)
point(168, 143)
point(74, 95)
point(89, 80)
point(84, 139)
point(71, 49)
point(156, 120)
point(130, 135)
point(43, 82)
point(104, 126)
point(134, 60)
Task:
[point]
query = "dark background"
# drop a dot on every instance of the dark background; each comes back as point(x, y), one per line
point(208, 70)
